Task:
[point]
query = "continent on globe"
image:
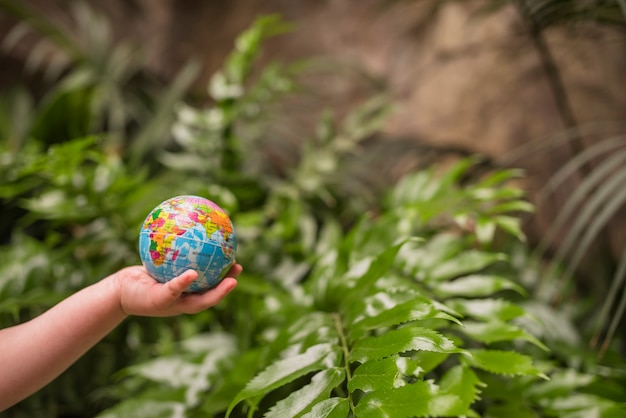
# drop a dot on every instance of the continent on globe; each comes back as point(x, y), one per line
point(188, 232)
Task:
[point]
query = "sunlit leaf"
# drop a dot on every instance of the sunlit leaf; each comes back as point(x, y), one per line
point(302, 400)
point(467, 262)
point(503, 362)
point(412, 310)
point(406, 401)
point(420, 399)
point(401, 340)
point(495, 331)
point(462, 382)
point(375, 269)
point(476, 285)
point(487, 309)
point(329, 408)
point(285, 370)
point(388, 373)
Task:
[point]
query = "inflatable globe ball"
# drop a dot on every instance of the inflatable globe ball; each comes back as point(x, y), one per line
point(188, 232)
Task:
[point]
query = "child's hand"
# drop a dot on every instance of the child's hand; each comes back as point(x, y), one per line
point(140, 294)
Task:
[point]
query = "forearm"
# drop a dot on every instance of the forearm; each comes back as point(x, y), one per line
point(49, 344)
point(34, 353)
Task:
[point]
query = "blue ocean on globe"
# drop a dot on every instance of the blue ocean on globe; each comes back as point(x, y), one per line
point(188, 232)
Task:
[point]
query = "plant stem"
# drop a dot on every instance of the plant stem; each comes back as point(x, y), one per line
point(346, 354)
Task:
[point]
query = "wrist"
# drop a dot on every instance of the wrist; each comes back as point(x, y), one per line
point(114, 285)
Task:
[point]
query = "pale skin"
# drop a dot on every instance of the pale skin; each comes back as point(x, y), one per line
point(35, 352)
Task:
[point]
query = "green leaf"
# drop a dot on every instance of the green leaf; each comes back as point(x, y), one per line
point(499, 177)
point(399, 341)
point(487, 309)
point(464, 263)
point(475, 286)
point(485, 229)
point(387, 373)
point(513, 206)
point(495, 331)
point(316, 326)
point(582, 405)
point(330, 408)
point(412, 310)
point(561, 383)
point(235, 375)
point(420, 399)
point(429, 360)
point(462, 382)
point(376, 268)
point(172, 370)
point(406, 401)
point(503, 362)
point(511, 225)
point(285, 370)
point(302, 400)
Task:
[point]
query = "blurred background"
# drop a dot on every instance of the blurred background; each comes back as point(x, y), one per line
point(529, 84)
point(536, 85)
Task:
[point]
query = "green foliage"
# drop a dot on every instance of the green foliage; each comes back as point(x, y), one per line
point(412, 307)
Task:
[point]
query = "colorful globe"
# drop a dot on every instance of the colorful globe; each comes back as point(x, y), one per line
point(188, 232)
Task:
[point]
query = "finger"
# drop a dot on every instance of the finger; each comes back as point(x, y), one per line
point(198, 302)
point(234, 271)
point(178, 285)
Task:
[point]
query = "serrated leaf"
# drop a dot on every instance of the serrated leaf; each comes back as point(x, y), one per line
point(376, 268)
point(406, 401)
point(447, 405)
point(487, 309)
point(330, 408)
point(428, 360)
point(302, 400)
point(462, 382)
point(476, 286)
point(412, 310)
point(467, 262)
point(495, 331)
point(435, 251)
point(420, 399)
point(285, 370)
point(503, 362)
point(399, 341)
point(314, 323)
point(387, 373)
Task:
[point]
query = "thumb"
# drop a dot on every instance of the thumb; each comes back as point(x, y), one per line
point(175, 287)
